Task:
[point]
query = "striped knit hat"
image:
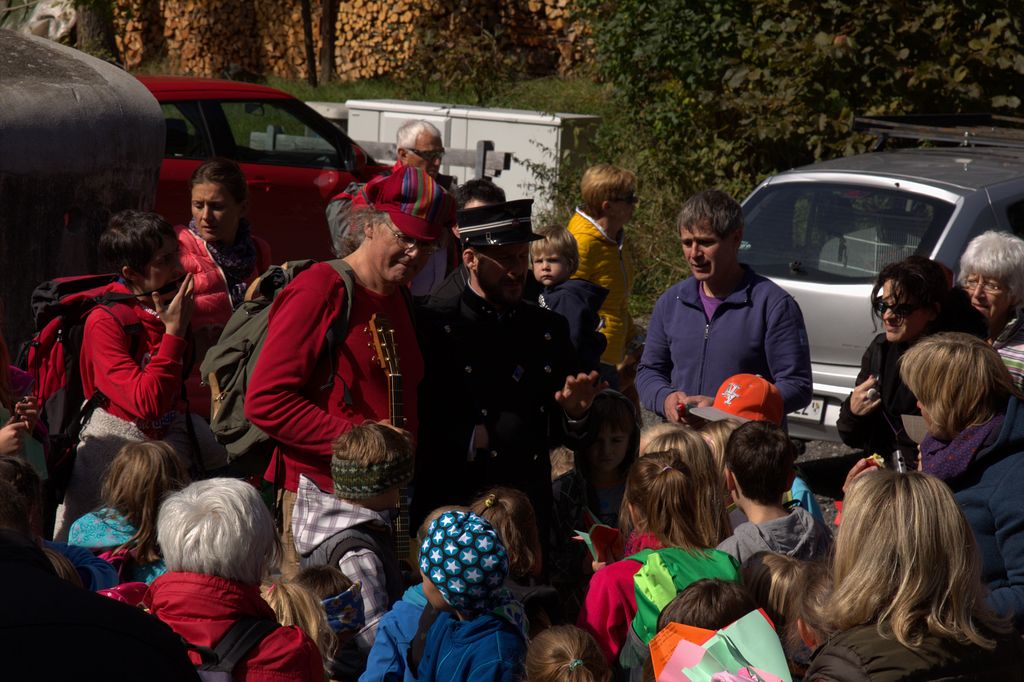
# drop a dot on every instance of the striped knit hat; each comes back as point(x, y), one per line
point(353, 481)
point(418, 206)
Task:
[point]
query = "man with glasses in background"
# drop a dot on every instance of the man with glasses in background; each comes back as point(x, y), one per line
point(501, 384)
point(418, 144)
point(723, 319)
point(303, 397)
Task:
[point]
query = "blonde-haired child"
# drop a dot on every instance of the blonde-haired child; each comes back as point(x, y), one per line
point(295, 605)
point(710, 483)
point(665, 504)
point(138, 479)
point(555, 259)
point(565, 653)
point(511, 513)
point(649, 433)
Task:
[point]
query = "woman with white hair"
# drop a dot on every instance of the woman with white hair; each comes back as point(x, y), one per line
point(907, 602)
point(218, 540)
point(992, 273)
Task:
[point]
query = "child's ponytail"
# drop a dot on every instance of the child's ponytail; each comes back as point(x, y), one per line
point(565, 653)
point(666, 502)
point(513, 517)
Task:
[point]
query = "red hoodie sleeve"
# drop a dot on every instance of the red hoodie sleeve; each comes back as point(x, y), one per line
point(147, 392)
point(610, 607)
point(276, 401)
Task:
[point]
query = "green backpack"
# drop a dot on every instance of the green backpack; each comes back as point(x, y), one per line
point(228, 366)
point(667, 572)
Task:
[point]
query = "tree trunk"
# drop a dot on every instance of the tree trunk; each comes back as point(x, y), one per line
point(327, 41)
point(95, 31)
point(307, 31)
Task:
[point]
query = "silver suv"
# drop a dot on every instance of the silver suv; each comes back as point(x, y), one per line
point(824, 231)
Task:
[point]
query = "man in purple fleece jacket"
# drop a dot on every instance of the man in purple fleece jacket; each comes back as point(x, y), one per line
point(722, 320)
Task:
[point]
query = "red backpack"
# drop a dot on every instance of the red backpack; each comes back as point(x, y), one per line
point(59, 308)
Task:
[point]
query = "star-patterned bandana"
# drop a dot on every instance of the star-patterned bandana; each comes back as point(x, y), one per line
point(463, 557)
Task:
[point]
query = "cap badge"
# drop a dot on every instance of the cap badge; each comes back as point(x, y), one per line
point(731, 392)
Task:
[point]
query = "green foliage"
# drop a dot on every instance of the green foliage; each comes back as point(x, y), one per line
point(477, 62)
point(725, 92)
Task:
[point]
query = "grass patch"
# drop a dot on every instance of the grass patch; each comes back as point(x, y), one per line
point(373, 88)
point(578, 95)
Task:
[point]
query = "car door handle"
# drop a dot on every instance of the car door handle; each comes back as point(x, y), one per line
point(259, 183)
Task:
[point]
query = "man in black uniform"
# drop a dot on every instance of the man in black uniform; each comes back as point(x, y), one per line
point(500, 385)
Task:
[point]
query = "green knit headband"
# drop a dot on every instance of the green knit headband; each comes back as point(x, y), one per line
point(355, 482)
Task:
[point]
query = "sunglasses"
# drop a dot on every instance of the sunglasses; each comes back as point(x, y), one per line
point(901, 310)
point(432, 155)
point(628, 199)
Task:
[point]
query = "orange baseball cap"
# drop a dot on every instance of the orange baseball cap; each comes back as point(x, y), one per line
point(743, 398)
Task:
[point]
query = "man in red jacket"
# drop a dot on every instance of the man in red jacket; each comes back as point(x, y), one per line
point(305, 400)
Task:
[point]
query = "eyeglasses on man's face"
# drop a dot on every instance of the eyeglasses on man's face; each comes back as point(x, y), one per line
point(900, 310)
point(410, 244)
point(630, 198)
point(989, 286)
point(429, 155)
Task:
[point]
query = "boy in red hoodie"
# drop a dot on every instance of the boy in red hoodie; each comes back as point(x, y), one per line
point(133, 375)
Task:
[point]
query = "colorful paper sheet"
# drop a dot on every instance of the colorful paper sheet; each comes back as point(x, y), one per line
point(748, 648)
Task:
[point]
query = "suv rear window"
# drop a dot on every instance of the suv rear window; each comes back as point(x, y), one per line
point(836, 233)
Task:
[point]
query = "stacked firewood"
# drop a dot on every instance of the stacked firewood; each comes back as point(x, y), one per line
point(372, 37)
point(375, 37)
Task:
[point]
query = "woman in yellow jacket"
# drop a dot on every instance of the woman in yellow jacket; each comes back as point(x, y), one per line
point(606, 259)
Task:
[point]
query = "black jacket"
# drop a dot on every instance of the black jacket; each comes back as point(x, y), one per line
point(862, 654)
point(51, 630)
point(499, 370)
point(579, 301)
point(881, 430)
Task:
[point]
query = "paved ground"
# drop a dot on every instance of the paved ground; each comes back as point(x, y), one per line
point(824, 466)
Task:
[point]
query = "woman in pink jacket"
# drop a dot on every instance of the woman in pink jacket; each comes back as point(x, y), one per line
point(222, 254)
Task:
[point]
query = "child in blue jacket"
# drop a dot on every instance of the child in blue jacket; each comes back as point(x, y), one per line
point(555, 259)
point(395, 631)
point(479, 631)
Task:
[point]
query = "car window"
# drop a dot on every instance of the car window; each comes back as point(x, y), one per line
point(275, 133)
point(837, 233)
point(186, 134)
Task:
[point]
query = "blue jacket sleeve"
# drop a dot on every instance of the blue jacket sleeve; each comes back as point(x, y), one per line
point(788, 353)
point(96, 574)
point(386, 660)
point(654, 373)
point(1007, 506)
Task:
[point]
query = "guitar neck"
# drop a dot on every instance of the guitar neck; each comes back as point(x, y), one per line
point(396, 409)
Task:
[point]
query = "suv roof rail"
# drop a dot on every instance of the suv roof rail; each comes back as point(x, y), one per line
point(965, 130)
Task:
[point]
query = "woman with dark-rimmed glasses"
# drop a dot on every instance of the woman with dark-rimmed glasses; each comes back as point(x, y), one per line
point(911, 298)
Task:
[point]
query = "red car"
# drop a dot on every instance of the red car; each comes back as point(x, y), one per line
point(293, 158)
